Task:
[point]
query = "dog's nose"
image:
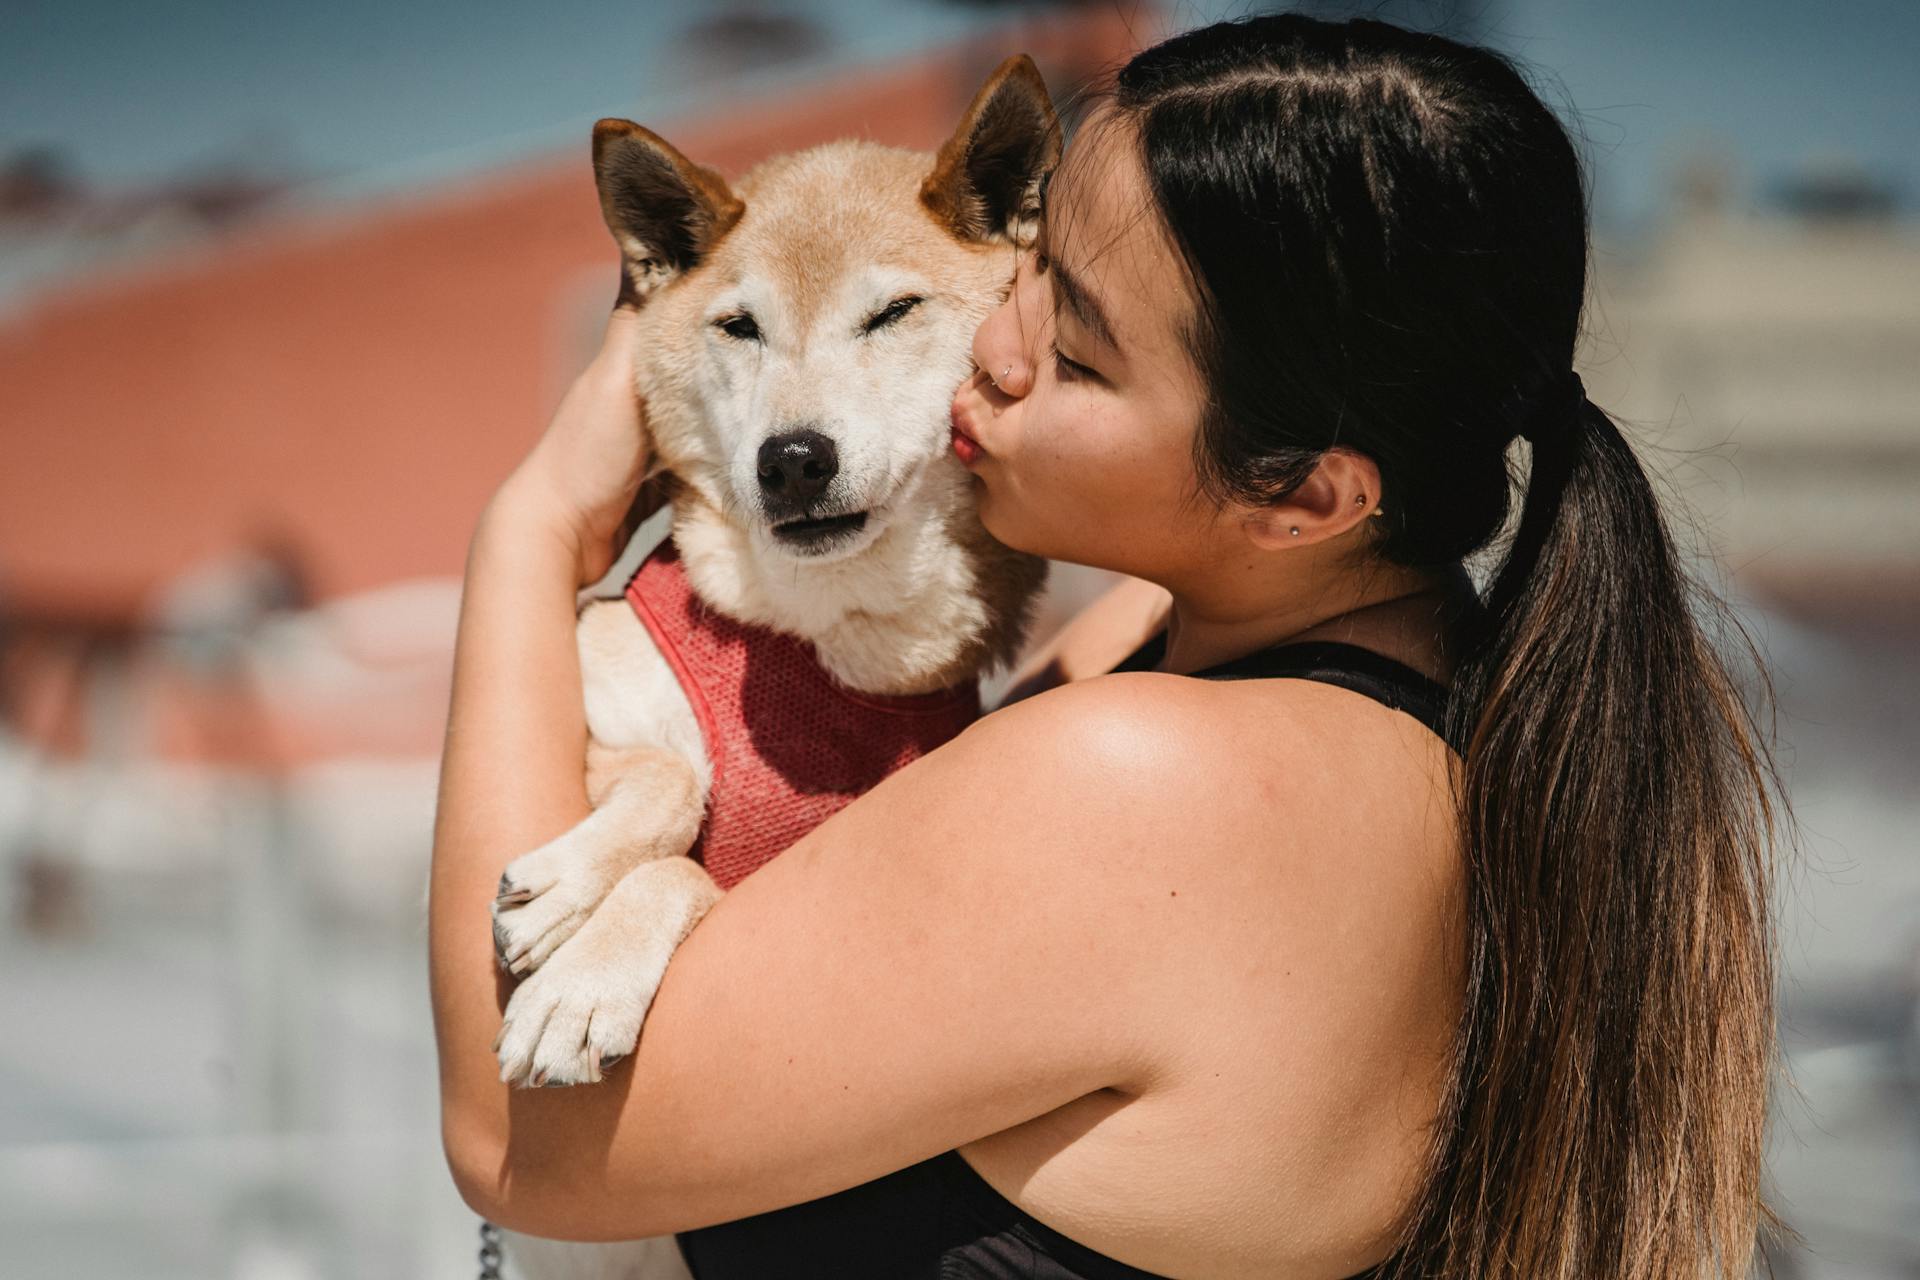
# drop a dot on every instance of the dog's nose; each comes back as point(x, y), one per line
point(797, 465)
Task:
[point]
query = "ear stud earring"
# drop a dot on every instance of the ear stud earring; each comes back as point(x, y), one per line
point(1294, 530)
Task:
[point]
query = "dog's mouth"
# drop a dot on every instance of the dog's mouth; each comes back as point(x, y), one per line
point(815, 534)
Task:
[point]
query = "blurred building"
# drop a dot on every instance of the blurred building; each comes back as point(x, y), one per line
point(1769, 359)
point(318, 400)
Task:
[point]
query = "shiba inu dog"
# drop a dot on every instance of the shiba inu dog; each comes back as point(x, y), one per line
point(827, 599)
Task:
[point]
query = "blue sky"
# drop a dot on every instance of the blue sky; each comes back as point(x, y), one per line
point(383, 91)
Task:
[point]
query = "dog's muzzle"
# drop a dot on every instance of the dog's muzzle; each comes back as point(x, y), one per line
point(796, 469)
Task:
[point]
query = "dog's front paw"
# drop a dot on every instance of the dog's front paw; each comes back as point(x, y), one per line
point(582, 1011)
point(543, 899)
point(577, 1016)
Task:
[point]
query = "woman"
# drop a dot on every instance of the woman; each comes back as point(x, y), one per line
point(1452, 958)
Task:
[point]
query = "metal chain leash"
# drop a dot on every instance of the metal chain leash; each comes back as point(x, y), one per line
point(489, 1251)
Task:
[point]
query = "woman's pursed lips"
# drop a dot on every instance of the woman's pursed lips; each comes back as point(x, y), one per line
point(965, 443)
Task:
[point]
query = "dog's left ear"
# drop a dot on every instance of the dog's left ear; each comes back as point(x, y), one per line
point(985, 183)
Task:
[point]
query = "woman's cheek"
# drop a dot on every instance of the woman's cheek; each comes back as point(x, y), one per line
point(1021, 496)
point(1069, 489)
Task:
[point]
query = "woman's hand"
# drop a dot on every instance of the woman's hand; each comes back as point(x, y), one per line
point(584, 478)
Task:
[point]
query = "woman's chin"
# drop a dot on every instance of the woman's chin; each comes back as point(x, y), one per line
point(1010, 532)
point(993, 519)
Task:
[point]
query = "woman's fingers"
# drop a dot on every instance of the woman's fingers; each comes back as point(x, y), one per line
point(616, 342)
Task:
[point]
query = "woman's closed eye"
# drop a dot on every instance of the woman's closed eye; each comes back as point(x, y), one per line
point(1068, 365)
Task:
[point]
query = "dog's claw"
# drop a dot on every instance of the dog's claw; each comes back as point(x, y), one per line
point(506, 894)
point(501, 956)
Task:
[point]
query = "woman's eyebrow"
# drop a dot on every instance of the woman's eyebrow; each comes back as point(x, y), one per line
point(1084, 304)
point(1082, 301)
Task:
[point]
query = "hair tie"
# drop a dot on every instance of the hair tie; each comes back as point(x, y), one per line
point(1555, 410)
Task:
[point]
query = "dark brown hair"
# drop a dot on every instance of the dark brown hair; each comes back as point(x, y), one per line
point(1386, 236)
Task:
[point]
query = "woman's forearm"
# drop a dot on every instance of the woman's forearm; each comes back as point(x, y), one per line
point(512, 777)
point(1100, 635)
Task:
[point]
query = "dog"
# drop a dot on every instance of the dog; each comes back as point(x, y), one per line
point(826, 601)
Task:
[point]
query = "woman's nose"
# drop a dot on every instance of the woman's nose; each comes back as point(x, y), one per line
point(1001, 343)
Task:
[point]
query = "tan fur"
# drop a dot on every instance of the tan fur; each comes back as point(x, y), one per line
point(812, 247)
point(815, 217)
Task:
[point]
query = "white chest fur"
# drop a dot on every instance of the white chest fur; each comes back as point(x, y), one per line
point(633, 698)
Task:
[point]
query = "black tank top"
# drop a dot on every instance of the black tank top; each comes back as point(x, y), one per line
point(938, 1219)
point(1330, 662)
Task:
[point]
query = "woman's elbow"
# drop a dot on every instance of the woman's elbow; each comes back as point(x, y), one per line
point(479, 1168)
point(527, 1201)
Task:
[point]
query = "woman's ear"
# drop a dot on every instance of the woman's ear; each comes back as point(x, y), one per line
point(1342, 491)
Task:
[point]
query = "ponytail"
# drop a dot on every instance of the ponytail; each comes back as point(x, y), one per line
point(1611, 1073)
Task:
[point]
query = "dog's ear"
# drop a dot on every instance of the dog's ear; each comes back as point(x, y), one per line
point(985, 183)
point(665, 212)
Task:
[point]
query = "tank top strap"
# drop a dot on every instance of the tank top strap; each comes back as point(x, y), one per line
point(1385, 680)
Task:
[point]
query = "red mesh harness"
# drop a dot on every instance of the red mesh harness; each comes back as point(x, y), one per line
point(790, 745)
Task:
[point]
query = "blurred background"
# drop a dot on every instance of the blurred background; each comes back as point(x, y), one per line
point(286, 290)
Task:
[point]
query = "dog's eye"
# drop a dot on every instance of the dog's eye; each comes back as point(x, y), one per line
point(740, 326)
point(891, 312)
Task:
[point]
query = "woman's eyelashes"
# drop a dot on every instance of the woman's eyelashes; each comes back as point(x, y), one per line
point(1071, 367)
point(1067, 364)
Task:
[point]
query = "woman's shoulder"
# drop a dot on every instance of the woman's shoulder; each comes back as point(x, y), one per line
point(1309, 726)
point(1222, 759)
point(1284, 837)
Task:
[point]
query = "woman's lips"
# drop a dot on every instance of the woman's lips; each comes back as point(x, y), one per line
point(964, 445)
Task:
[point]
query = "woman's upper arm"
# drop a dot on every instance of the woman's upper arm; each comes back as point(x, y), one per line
point(945, 958)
